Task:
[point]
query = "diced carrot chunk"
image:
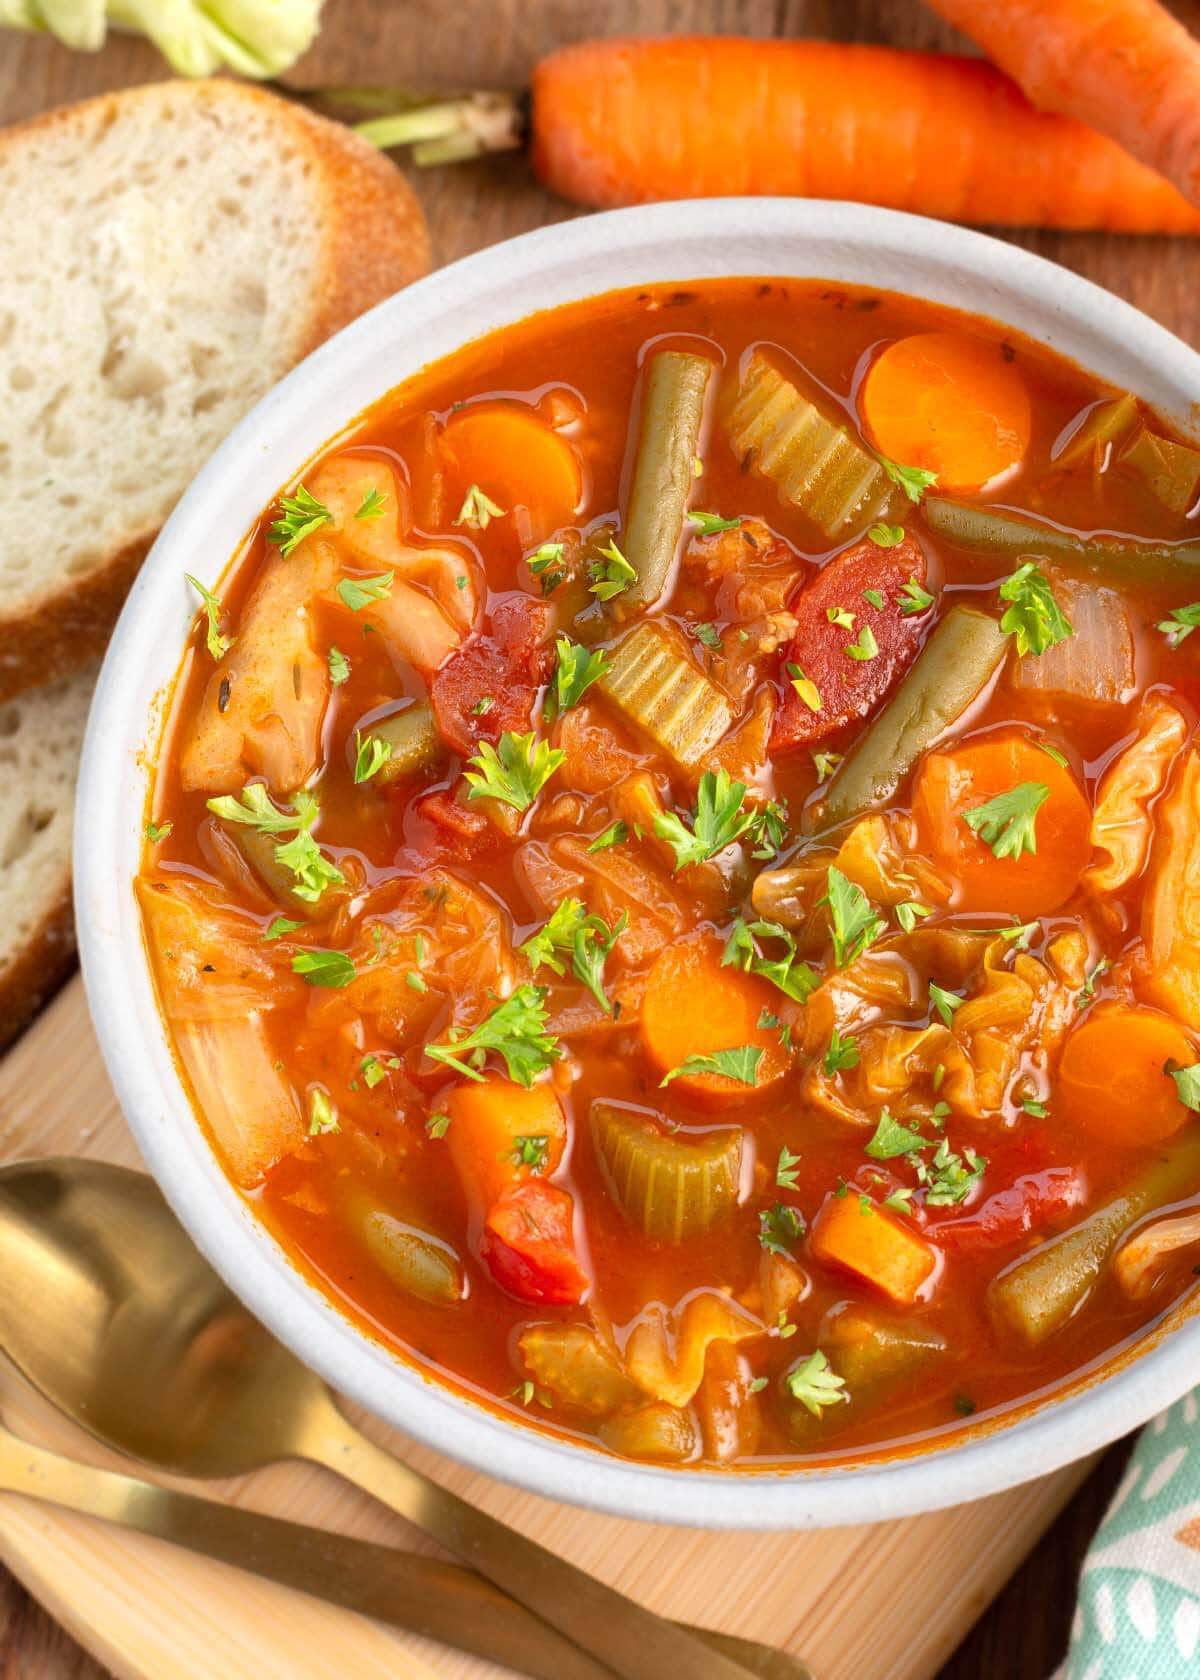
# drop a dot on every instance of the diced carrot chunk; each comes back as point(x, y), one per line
point(853, 1231)
point(486, 1122)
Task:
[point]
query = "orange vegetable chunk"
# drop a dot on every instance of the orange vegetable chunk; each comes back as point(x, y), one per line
point(517, 461)
point(486, 1121)
point(851, 1230)
point(950, 403)
point(958, 779)
point(695, 1007)
point(1112, 1079)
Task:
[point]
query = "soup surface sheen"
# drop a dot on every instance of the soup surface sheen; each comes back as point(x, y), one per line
point(674, 875)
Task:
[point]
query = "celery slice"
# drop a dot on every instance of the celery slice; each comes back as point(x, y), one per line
point(412, 736)
point(654, 683)
point(675, 1186)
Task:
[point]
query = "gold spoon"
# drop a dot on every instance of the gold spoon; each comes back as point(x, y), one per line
point(136, 1338)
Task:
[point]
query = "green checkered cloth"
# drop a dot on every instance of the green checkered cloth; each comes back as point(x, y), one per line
point(1138, 1616)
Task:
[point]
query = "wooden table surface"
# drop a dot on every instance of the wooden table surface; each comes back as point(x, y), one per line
point(494, 43)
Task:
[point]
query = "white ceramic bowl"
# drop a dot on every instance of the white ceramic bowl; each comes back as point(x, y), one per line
point(555, 265)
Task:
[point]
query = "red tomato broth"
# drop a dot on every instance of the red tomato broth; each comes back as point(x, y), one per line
point(383, 1155)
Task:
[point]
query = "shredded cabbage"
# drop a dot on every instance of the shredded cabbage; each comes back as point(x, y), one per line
point(197, 37)
point(1122, 823)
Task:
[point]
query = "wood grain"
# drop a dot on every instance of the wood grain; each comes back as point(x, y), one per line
point(494, 43)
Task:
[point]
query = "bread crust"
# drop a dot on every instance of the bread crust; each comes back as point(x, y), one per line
point(39, 967)
point(374, 242)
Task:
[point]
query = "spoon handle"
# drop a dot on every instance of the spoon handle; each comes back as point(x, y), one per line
point(421, 1595)
point(634, 1642)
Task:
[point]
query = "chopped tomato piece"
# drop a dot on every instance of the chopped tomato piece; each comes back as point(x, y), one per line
point(839, 686)
point(528, 1245)
point(489, 685)
point(1032, 1202)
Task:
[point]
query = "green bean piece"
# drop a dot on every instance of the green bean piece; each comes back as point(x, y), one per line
point(577, 1367)
point(1017, 538)
point(1042, 1290)
point(421, 1265)
point(413, 738)
point(813, 462)
point(672, 417)
point(672, 1186)
point(873, 1356)
point(665, 1433)
point(955, 665)
point(653, 681)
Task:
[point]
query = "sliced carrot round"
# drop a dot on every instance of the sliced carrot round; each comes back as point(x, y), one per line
point(960, 780)
point(1113, 1081)
point(517, 461)
point(947, 402)
point(695, 1007)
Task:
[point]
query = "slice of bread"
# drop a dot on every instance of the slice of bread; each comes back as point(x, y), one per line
point(166, 254)
point(41, 733)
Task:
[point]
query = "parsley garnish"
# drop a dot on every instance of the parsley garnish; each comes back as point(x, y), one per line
point(539, 562)
point(615, 834)
point(886, 536)
point(891, 1139)
point(780, 1228)
point(1034, 617)
point(841, 1055)
point(1187, 1083)
point(910, 913)
point(1038, 1110)
point(611, 574)
point(322, 1116)
point(874, 598)
point(853, 922)
point(914, 599)
point(516, 771)
point(359, 592)
point(371, 506)
point(1007, 823)
point(515, 1030)
point(371, 753)
point(944, 1002)
point(588, 939)
point(279, 925)
point(578, 668)
point(373, 1071)
point(865, 647)
point(323, 968)
point(950, 1178)
point(770, 829)
point(339, 667)
point(805, 687)
point(1060, 758)
point(1085, 997)
point(719, 820)
point(302, 515)
point(437, 1125)
point(740, 1063)
point(708, 524)
point(478, 510)
point(825, 763)
point(708, 634)
point(816, 1384)
point(158, 831)
point(795, 979)
point(785, 1169)
point(216, 644)
point(1179, 626)
point(301, 855)
point(531, 1152)
point(914, 481)
point(841, 617)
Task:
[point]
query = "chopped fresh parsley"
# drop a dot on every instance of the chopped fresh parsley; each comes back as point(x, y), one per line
point(279, 925)
point(949, 1178)
point(1085, 997)
point(910, 913)
point(914, 481)
point(1187, 1083)
point(914, 599)
point(785, 1169)
point(359, 592)
point(588, 940)
point(478, 510)
point(891, 1138)
point(158, 831)
point(740, 1063)
point(805, 687)
point(371, 753)
point(1033, 616)
point(944, 1002)
point(815, 1384)
point(1032, 1106)
point(795, 979)
point(1007, 822)
point(339, 667)
point(515, 1030)
point(577, 669)
point(708, 524)
point(216, 644)
point(301, 854)
point(483, 705)
point(515, 772)
point(841, 1055)
point(615, 834)
point(437, 1125)
point(322, 1116)
point(1060, 758)
point(825, 763)
point(708, 634)
point(780, 1228)
point(611, 574)
point(874, 598)
point(840, 616)
point(531, 1152)
point(1180, 624)
point(852, 920)
point(756, 1385)
point(885, 536)
point(373, 1071)
point(544, 557)
point(865, 646)
point(371, 506)
point(302, 515)
point(770, 829)
point(719, 820)
point(323, 968)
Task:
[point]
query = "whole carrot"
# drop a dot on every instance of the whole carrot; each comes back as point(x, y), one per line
point(1127, 67)
point(626, 121)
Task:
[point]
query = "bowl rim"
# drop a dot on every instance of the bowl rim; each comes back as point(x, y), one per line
point(493, 287)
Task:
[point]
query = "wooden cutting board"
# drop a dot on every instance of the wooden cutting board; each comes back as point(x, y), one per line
point(888, 1602)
